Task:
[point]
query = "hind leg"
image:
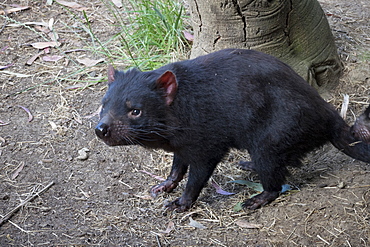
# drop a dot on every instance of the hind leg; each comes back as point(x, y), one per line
point(260, 200)
point(271, 171)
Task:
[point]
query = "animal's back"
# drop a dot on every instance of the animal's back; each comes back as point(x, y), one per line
point(231, 98)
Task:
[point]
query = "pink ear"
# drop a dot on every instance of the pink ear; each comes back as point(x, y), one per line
point(111, 72)
point(168, 82)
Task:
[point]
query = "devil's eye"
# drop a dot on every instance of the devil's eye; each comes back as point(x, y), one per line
point(134, 113)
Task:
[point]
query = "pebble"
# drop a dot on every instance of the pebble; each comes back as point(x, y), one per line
point(341, 185)
point(82, 154)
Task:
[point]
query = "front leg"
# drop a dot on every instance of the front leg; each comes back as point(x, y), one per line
point(178, 170)
point(199, 175)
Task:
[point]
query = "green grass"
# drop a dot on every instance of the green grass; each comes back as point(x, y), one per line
point(150, 33)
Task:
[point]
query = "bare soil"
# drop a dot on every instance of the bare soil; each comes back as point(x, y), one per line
point(103, 200)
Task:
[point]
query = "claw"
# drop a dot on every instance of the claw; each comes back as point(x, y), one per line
point(166, 186)
point(178, 206)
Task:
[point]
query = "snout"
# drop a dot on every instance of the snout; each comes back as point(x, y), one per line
point(112, 132)
point(102, 130)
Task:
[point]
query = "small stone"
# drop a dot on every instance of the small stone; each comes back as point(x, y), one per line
point(341, 185)
point(82, 154)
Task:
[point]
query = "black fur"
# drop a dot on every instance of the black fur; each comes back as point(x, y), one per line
point(233, 98)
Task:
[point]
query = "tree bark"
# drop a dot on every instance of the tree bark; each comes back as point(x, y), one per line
point(296, 31)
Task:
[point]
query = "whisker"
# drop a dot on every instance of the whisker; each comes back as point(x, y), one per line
point(138, 135)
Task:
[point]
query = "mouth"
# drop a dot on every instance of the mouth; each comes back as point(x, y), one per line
point(363, 134)
point(115, 134)
point(111, 141)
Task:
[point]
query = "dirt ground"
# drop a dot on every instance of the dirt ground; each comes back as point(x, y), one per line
point(103, 200)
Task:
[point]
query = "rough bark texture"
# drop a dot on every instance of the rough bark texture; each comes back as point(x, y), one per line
point(296, 31)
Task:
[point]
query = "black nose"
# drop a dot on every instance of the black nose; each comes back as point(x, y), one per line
point(102, 130)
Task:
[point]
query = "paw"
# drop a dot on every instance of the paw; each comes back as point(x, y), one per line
point(260, 200)
point(178, 206)
point(166, 186)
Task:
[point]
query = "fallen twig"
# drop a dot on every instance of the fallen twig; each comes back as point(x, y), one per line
point(2, 123)
point(14, 210)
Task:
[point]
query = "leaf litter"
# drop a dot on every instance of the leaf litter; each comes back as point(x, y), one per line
point(16, 8)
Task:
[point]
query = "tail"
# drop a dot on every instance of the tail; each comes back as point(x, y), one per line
point(345, 141)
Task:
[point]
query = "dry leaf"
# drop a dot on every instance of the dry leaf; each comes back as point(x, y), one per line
point(33, 58)
point(77, 86)
point(72, 5)
point(188, 36)
point(343, 110)
point(219, 190)
point(30, 23)
point(89, 62)
point(30, 117)
point(74, 50)
point(196, 224)
point(2, 123)
point(118, 3)
point(6, 66)
point(145, 197)
point(15, 74)
point(51, 23)
point(12, 10)
point(52, 58)
point(42, 29)
point(152, 175)
point(249, 225)
point(19, 169)
point(170, 228)
point(42, 45)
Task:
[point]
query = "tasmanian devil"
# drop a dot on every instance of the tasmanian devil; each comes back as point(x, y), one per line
point(199, 109)
point(361, 128)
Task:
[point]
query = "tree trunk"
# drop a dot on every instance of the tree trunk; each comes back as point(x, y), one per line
point(296, 31)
